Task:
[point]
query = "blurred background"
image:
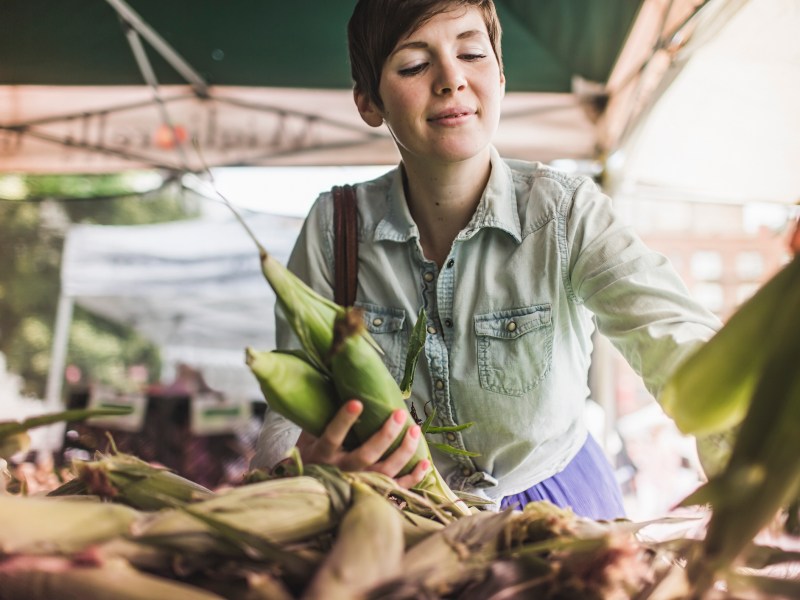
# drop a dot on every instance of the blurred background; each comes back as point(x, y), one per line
point(125, 281)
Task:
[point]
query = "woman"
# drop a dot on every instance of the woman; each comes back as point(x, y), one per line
point(514, 263)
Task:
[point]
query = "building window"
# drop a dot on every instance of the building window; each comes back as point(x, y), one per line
point(749, 265)
point(706, 265)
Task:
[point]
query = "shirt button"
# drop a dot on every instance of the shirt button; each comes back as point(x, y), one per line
point(439, 384)
point(448, 322)
point(450, 263)
point(428, 276)
point(377, 321)
point(466, 471)
point(451, 437)
point(511, 326)
point(431, 329)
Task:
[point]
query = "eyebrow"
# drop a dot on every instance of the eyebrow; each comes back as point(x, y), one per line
point(470, 33)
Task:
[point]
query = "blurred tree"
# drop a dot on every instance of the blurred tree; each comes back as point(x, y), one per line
point(35, 212)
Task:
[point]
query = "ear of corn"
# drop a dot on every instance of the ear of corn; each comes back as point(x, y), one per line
point(49, 578)
point(358, 372)
point(294, 389)
point(309, 314)
point(368, 549)
point(37, 525)
point(711, 391)
point(125, 478)
point(281, 511)
point(255, 546)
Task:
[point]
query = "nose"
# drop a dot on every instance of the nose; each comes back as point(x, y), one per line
point(450, 77)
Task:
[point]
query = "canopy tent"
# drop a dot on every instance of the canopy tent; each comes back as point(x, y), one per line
point(194, 288)
point(98, 86)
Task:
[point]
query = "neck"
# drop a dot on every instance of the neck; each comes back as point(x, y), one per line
point(442, 200)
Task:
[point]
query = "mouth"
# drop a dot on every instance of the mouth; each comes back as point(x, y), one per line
point(452, 114)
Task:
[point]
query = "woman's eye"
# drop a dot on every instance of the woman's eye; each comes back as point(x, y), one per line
point(472, 56)
point(409, 71)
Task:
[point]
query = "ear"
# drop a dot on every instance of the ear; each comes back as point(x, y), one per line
point(502, 85)
point(370, 113)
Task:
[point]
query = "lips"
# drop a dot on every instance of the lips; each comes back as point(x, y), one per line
point(451, 113)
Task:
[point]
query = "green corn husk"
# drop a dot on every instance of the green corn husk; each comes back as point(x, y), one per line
point(281, 511)
point(763, 473)
point(310, 315)
point(124, 478)
point(359, 372)
point(39, 525)
point(711, 391)
point(368, 549)
point(294, 389)
point(49, 578)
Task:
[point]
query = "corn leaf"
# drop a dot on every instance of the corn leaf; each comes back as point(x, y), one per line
point(448, 449)
point(415, 346)
point(9, 428)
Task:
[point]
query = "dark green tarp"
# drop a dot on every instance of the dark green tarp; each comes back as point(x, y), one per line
point(299, 43)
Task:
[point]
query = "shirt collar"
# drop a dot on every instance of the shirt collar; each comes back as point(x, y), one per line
point(497, 208)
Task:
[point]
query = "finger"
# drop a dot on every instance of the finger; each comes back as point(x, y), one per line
point(398, 459)
point(379, 442)
point(416, 476)
point(333, 437)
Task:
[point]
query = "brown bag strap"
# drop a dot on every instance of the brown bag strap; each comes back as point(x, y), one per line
point(345, 231)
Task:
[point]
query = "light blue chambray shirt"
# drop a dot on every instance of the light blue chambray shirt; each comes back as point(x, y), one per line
point(510, 316)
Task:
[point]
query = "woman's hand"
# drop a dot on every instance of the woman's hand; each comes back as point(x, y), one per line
point(327, 449)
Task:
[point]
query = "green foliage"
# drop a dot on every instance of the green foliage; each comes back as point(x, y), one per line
point(35, 212)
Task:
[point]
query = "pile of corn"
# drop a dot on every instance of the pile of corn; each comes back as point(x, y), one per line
point(126, 530)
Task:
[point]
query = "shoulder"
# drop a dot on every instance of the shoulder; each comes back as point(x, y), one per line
point(544, 192)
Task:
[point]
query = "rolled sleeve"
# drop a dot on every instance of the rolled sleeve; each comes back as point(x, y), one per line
point(638, 299)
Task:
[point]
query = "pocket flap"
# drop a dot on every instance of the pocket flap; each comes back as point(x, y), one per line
point(380, 319)
point(510, 324)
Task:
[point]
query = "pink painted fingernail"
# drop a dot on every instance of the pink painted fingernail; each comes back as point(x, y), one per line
point(354, 407)
point(425, 464)
point(399, 416)
point(414, 431)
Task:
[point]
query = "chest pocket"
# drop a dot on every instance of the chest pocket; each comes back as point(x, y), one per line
point(386, 325)
point(515, 348)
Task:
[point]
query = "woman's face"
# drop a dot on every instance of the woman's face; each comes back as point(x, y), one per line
point(441, 89)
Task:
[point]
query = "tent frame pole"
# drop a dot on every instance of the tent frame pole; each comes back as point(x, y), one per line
point(58, 356)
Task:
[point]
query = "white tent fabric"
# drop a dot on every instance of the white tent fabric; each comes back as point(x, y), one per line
point(194, 288)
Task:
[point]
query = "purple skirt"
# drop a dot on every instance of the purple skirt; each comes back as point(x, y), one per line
point(586, 485)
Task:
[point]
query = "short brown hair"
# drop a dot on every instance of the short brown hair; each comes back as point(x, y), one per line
point(377, 25)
